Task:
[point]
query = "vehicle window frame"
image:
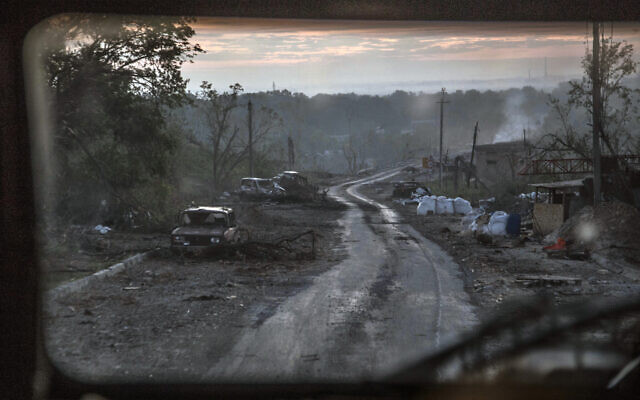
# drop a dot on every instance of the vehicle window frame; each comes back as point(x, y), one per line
point(24, 343)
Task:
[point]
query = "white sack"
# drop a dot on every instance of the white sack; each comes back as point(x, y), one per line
point(427, 204)
point(461, 206)
point(444, 205)
point(498, 223)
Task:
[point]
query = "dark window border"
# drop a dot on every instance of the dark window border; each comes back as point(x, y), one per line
point(21, 345)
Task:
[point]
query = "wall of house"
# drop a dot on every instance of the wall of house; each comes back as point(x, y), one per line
point(497, 166)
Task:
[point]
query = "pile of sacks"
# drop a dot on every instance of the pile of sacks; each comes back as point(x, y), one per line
point(495, 226)
point(498, 223)
point(443, 205)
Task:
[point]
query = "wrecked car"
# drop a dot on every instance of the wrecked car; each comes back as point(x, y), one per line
point(290, 178)
point(258, 188)
point(295, 184)
point(205, 227)
point(405, 188)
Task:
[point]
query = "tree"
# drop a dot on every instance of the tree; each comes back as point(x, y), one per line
point(110, 79)
point(619, 104)
point(229, 147)
point(351, 156)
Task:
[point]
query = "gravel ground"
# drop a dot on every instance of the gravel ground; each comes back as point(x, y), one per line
point(146, 322)
point(493, 273)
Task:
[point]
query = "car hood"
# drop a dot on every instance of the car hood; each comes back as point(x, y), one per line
point(198, 230)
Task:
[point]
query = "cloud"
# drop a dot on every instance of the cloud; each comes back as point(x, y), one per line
point(371, 50)
point(234, 63)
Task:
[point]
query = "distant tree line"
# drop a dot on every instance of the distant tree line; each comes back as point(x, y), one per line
point(132, 145)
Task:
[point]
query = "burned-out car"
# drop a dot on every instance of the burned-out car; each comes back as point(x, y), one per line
point(406, 188)
point(260, 188)
point(295, 184)
point(205, 227)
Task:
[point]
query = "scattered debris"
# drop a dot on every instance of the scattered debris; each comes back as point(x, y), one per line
point(299, 246)
point(485, 203)
point(611, 229)
point(310, 357)
point(560, 244)
point(102, 229)
point(204, 297)
point(546, 280)
point(406, 188)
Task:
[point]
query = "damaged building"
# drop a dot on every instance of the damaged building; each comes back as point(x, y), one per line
point(499, 161)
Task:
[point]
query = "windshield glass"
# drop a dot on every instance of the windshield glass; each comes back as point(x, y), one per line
point(204, 218)
point(444, 170)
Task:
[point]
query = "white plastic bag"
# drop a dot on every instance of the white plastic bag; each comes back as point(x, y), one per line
point(461, 206)
point(444, 205)
point(419, 192)
point(426, 205)
point(498, 223)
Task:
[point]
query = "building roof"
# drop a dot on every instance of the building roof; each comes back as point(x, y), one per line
point(575, 183)
point(517, 145)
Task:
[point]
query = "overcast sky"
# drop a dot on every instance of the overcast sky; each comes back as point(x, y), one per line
point(317, 56)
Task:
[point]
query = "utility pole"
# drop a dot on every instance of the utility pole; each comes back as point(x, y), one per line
point(250, 110)
point(442, 102)
point(291, 153)
point(473, 150)
point(595, 65)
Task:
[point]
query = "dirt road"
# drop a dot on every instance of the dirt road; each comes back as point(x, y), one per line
point(378, 296)
point(393, 299)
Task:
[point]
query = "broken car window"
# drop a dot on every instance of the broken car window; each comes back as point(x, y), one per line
point(201, 218)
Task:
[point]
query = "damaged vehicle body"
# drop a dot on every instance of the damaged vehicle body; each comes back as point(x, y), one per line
point(296, 185)
point(260, 188)
point(404, 189)
point(205, 228)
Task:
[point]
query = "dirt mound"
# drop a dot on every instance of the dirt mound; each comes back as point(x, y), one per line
point(612, 227)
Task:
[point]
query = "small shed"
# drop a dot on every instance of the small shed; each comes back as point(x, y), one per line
point(501, 161)
point(562, 199)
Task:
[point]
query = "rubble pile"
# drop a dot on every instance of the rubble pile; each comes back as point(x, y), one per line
point(611, 229)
